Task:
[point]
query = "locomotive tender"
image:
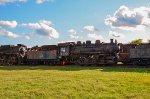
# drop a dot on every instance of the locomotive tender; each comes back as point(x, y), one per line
point(44, 55)
point(86, 53)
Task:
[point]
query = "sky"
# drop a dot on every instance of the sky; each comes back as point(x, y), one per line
point(46, 22)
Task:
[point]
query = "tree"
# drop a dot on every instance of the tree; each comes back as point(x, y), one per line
point(149, 41)
point(138, 41)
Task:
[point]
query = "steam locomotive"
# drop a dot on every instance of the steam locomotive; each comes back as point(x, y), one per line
point(90, 54)
point(12, 55)
point(86, 53)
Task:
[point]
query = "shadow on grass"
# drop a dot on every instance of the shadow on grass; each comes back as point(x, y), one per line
point(120, 69)
point(78, 68)
point(61, 68)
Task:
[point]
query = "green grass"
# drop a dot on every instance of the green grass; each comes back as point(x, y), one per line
point(59, 82)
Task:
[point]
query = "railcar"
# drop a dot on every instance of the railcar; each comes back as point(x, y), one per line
point(44, 55)
point(124, 53)
point(135, 54)
point(12, 55)
point(140, 55)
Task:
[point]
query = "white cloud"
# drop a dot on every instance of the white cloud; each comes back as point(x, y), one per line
point(90, 28)
point(129, 19)
point(43, 27)
point(48, 31)
point(72, 31)
point(49, 23)
point(42, 1)
point(26, 36)
point(9, 24)
point(39, 1)
point(95, 36)
point(73, 34)
point(3, 2)
point(116, 34)
point(37, 25)
point(93, 32)
point(31, 25)
point(8, 34)
point(66, 41)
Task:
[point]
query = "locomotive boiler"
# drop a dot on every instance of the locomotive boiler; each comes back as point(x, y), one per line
point(94, 54)
point(12, 55)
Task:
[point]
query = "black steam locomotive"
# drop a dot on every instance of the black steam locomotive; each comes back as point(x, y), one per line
point(12, 55)
point(86, 53)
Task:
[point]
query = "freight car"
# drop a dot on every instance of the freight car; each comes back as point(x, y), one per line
point(135, 54)
point(12, 55)
point(140, 55)
point(44, 55)
point(88, 53)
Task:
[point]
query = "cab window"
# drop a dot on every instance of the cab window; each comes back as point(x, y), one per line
point(63, 49)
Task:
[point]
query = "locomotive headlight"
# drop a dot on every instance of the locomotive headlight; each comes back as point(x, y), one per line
point(92, 56)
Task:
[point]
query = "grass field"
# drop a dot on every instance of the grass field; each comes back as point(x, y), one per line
point(61, 82)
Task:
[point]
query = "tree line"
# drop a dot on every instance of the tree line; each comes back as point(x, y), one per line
point(138, 41)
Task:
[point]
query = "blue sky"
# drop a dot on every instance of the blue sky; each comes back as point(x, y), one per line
point(39, 22)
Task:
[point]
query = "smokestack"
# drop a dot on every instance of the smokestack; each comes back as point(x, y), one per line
point(116, 42)
point(79, 43)
point(97, 42)
point(88, 42)
point(111, 41)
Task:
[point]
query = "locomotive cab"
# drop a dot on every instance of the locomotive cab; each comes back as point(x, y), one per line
point(64, 52)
